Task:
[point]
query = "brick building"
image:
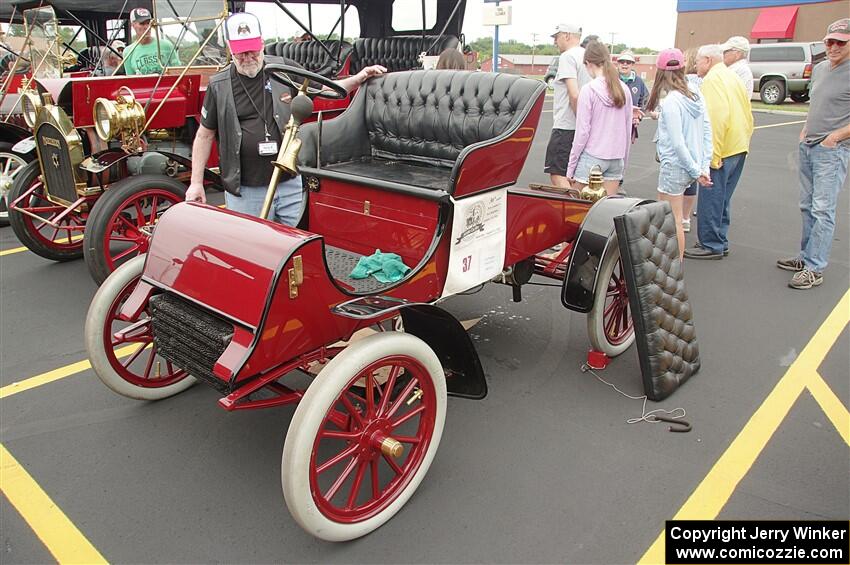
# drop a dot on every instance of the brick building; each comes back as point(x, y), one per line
point(528, 65)
point(761, 21)
point(522, 65)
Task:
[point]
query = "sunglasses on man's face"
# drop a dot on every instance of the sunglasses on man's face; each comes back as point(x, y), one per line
point(831, 42)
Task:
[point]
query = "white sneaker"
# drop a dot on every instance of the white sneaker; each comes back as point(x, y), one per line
point(686, 225)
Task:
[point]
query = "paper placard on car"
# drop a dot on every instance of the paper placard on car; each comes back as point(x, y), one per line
point(478, 241)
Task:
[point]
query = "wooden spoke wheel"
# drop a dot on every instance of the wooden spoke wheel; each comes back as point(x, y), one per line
point(60, 242)
point(355, 454)
point(123, 219)
point(609, 322)
point(123, 353)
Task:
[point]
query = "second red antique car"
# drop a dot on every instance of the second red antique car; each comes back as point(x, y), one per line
point(422, 164)
point(99, 196)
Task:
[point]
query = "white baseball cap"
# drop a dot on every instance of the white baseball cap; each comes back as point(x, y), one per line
point(566, 28)
point(737, 43)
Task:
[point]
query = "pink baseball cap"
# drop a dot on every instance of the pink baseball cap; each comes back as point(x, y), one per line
point(243, 33)
point(670, 60)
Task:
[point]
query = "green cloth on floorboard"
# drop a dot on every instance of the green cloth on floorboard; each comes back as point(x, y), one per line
point(386, 267)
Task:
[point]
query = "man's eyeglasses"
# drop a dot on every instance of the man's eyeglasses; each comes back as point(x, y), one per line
point(831, 42)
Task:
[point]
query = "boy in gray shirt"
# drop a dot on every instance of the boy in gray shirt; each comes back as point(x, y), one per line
point(570, 78)
point(824, 155)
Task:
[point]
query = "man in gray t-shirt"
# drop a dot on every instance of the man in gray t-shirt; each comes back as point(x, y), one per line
point(824, 156)
point(571, 76)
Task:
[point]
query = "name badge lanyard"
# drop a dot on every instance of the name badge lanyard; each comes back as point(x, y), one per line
point(267, 147)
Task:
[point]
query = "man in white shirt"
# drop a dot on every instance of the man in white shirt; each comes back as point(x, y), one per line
point(736, 50)
point(571, 76)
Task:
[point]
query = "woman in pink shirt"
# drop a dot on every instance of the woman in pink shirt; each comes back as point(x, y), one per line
point(603, 122)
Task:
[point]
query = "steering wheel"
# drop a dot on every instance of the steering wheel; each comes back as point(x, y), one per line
point(281, 73)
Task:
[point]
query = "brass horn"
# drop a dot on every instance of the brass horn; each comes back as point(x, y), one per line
point(288, 160)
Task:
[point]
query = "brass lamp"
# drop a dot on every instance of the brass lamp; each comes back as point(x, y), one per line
point(594, 190)
point(121, 118)
point(30, 104)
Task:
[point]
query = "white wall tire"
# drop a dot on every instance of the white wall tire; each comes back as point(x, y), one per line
point(610, 327)
point(129, 373)
point(307, 486)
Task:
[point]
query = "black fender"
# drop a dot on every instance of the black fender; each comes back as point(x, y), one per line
point(445, 335)
point(13, 133)
point(108, 158)
point(590, 248)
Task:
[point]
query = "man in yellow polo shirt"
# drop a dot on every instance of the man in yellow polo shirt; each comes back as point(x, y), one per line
point(731, 116)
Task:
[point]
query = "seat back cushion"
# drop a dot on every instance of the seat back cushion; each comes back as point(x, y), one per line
point(431, 116)
point(397, 53)
point(311, 56)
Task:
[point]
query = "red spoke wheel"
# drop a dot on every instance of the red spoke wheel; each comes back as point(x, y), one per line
point(123, 219)
point(62, 242)
point(123, 354)
point(609, 323)
point(363, 436)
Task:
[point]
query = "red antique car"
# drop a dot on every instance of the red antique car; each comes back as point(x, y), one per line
point(79, 198)
point(422, 164)
point(44, 44)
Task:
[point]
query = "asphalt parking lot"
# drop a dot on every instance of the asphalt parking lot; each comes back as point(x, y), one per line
point(545, 469)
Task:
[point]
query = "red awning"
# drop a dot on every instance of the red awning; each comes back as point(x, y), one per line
point(775, 23)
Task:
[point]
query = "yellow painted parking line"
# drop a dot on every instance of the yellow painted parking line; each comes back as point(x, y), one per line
point(782, 124)
point(59, 373)
point(13, 250)
point(711, 495)
point(61, 537)
point(831, 405)
point(73, 238)
point(20, 249)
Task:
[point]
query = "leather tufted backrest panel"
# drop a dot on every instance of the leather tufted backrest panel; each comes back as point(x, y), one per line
point(311, 56)
point(430, 116)
point(664, 327)
point(398, 53)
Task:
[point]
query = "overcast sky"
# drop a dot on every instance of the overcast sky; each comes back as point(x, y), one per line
point(636, 23)
point(649, 23)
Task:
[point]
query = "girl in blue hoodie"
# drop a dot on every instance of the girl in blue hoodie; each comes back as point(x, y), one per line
point(684, 134)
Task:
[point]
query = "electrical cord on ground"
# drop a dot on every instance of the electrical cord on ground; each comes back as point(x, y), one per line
point(653, 415)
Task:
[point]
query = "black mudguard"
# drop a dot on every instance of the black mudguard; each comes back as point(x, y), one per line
point(13, 133)
point(108, 158)
point(589, 249)
point(446, 336)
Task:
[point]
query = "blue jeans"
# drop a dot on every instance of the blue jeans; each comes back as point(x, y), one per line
point(822, 174)
point(713, 203)
point(286, 206)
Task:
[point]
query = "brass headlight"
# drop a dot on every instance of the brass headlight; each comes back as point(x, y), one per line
point(123, 116)
point(30, 104)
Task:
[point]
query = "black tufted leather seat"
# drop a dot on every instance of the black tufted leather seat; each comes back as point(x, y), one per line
point(398, 53)
point(664, 326)
point(311, 56)
point(416, 127)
